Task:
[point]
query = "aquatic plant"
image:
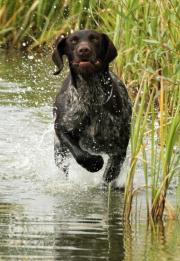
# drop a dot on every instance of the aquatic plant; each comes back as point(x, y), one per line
point(153, 143)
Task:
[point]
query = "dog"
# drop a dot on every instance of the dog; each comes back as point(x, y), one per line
point(92, 110)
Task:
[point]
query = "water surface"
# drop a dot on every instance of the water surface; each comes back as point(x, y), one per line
point(43, 215)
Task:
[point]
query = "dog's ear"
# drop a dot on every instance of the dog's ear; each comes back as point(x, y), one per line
point(58, 52)
point(110, 51)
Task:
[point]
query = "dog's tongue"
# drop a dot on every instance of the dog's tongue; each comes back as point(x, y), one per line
point(87, 62)
point(84, 63)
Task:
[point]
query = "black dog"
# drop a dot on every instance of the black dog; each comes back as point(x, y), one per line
point(92, 110)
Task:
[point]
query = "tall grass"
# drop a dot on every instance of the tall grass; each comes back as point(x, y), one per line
point(147, 36)
point(32, 23)
point(154, 144)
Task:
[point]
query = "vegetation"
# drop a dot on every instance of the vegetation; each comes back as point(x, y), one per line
point(147, 36)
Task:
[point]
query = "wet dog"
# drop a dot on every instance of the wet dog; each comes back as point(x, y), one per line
point(92, 109)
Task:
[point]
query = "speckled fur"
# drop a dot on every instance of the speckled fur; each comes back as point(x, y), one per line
point(92, 110)
point(105, 131)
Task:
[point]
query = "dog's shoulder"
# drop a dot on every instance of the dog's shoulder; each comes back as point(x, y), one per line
point(119, 84)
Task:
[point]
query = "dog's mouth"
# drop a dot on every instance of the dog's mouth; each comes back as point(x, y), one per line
point(86, 63)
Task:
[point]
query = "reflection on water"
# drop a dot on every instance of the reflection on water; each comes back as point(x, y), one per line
point(62, 228)
point(44, 216)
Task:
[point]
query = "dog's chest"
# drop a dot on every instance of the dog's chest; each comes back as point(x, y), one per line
point(103, 125)
point(89, 109)
point(103, 133)
point(85, 102)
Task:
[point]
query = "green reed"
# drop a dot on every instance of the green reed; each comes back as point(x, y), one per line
point(147, 37)
point(37, 22)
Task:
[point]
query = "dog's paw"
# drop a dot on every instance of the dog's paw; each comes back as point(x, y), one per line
point(110, 174)
point(92, 163)
point(95, 163)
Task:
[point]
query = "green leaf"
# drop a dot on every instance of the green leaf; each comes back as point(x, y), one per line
point(151, 41)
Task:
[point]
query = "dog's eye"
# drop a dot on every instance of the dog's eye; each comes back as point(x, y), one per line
point(93, 38)
point(74, 41)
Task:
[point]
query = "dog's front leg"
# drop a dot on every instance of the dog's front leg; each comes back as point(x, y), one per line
point(90, 162)
point(113, 167)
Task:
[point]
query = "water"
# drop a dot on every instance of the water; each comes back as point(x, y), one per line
point(43, 215)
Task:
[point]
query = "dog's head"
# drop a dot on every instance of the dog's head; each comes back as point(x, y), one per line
point(87, 51)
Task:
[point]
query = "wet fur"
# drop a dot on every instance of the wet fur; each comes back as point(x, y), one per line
point(92, 116)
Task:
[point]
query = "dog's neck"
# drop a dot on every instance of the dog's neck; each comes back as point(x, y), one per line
point(95, 89)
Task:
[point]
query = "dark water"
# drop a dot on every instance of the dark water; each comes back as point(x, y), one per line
point(44, 216)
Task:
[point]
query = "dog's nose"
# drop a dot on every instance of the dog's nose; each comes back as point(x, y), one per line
point(84, 51)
